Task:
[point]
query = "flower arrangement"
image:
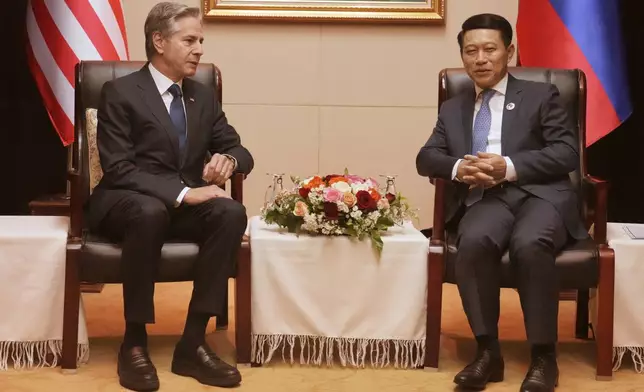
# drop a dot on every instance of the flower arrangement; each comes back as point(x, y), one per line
point(338, 205)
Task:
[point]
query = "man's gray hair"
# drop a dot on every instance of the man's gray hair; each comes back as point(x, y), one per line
point(162, 18)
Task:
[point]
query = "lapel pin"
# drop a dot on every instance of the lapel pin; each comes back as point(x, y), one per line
point(510, 106)
point(191, 99)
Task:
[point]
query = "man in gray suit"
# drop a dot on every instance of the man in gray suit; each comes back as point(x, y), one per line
point(507, 147)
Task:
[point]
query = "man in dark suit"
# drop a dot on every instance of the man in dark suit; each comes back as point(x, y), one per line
point(156, 128)
point(507, 147)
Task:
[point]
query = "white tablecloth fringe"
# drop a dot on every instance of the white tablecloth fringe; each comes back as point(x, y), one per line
point(355, 352)
point(32, 355)
point(637, 355)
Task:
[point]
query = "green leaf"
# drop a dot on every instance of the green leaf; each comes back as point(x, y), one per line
point(376, 242)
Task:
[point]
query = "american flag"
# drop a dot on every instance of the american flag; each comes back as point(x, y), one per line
point(60, 34)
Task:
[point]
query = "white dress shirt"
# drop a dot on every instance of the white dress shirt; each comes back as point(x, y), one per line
point(497, 103)
point(163, 83)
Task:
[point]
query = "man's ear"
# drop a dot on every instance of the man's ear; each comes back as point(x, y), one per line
point(158, 42)
point(511, 50)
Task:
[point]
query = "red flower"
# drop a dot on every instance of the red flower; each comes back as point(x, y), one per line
point(331, 210)
point(304, 192)
point(330, 176)
point(365, 201)
point(390, 197)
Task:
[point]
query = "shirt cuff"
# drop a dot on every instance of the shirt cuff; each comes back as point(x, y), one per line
point(232, 158)
point(181, 196)
point(510, 172)
point(455, 170)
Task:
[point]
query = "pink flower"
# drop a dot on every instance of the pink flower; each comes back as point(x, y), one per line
point(354, 179)
point(332, 195)
point(300, 209)
point(372, 182)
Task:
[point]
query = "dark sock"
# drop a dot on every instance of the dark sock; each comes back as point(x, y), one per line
point(194, 333)
point(486, 342)
point(543, 349)
point(135, 335)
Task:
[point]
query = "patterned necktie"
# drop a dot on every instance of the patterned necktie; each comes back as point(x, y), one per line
point(480, 132)
point(177, 114)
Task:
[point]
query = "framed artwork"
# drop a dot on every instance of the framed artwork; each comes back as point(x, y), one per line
point(384, 11)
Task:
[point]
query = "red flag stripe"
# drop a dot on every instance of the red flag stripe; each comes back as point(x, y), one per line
point(93, 27)
point(64, 55)
point(118, 12)
point(59, 119)
point(60, 34)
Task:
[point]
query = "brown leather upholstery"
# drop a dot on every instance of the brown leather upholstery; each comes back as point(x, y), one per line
point(578, 262)
point(100, 259)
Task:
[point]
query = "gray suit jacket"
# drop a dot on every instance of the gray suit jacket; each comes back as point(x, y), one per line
point(536, 135)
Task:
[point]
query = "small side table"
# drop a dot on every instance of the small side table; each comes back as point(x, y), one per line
point(628, 321)
point(58, 205)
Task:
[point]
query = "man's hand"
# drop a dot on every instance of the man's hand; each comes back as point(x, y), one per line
point(218, 170)
point(471, 174)
point(199, 195)
point(492, 168)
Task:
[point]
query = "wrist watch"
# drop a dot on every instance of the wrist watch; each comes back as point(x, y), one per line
point(232, 159)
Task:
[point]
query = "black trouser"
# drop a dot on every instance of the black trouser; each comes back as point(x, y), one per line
point(142, 223)
point(534, 232)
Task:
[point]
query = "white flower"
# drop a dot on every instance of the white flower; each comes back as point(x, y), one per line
point(341, 186)
point(343, 207)
point(359, 187)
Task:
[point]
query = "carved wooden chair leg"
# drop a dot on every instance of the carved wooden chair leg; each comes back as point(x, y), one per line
point(605, 310)
point(70, 313)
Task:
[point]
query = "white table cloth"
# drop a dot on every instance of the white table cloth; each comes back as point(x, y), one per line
point(32, 285)
point(628, 325)
point(317, 298)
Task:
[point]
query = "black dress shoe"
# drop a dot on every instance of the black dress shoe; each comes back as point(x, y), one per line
point(204, 365)
point(486, 367)
point(136, 371)
point(543, 375)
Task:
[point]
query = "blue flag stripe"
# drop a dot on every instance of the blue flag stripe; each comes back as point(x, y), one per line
point(595, 26)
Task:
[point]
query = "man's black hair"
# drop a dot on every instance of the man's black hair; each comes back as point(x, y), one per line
point(487, 21)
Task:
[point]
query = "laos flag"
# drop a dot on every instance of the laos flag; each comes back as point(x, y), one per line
point(584, 34)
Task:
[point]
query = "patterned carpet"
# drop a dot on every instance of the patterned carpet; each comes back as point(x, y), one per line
point(105, 324)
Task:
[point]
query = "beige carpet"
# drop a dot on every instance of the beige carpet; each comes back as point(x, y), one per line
point(104, 316)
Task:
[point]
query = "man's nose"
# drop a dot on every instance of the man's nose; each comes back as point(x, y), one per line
point(480, 57)
point(199, 49)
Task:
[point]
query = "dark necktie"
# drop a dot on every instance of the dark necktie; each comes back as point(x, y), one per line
point(480, 132)
point(177, 114)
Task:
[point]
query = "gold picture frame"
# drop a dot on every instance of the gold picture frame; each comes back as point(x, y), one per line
point(392, 11)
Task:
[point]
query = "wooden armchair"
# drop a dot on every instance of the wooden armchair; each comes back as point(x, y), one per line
point(582, 266)
point(94, 260)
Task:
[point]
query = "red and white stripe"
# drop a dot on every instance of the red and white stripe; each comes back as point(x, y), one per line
point(63, 32)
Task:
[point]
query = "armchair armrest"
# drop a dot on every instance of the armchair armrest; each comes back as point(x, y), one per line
point(595, 192)
point(438, 228)
point(74, 177)
point(237, 187)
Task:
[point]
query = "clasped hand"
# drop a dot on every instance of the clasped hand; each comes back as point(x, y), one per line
point(216, 172)
point(484, 169)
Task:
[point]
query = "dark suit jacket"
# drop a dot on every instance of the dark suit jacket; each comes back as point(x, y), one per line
point(536, 135)
point(139, 150)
